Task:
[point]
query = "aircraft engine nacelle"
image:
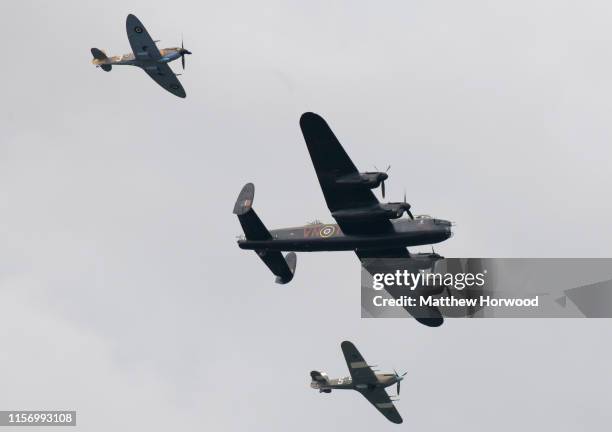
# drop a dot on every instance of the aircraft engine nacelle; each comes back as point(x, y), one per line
point(425, 260)
point(371, 180)
point(397, 210)
point(382, 211)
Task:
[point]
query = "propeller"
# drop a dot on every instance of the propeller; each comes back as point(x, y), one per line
point(382, 184)
point(407, 206)
point(399, 379)
point(183, 52)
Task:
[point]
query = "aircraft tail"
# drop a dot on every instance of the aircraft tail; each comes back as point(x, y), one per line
point(254, 229)
point(99, 58)
point(319, 380)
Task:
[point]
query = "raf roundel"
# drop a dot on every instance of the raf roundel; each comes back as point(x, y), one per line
point(327, 231)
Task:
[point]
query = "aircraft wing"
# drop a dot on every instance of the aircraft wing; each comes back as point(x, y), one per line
point(364, 379)
point(398, 252)
point(360, 372)
point(330, 163)
point(375, 261)
point(163, 75)
point(380, 399)
point(142, 44)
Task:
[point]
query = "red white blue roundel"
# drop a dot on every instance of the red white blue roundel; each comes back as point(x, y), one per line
point(327, 231)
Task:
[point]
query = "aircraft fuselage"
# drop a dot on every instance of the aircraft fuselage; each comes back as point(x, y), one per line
point(346, 383)
point(329, 237)
point(167, 55)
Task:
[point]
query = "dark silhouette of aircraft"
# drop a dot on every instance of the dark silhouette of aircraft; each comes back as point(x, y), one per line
point(146, 56)
point(364, 380)
point(374, 230)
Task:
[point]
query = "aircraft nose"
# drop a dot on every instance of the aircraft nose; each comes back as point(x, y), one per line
point(445, 227)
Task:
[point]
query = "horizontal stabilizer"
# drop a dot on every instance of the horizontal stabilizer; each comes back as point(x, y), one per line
point(100, 59)
point(98, 54)
point(254, 229)
point(282, 267)
point(317, 376)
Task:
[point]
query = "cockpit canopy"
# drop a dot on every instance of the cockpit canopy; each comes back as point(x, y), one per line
point(435, 221)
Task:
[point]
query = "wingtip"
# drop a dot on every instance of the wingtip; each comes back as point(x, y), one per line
point(176, 91)
point(132, 21)
point(309, 116)
point(431, 322)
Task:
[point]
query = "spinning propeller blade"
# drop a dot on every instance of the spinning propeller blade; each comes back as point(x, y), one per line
point(407, 206)
point(399, 379)
point(382, 185)
point(182, 53)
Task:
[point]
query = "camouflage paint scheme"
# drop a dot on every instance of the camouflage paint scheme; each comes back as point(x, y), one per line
point(364, 380)
point(146, 56)
point(373, 230)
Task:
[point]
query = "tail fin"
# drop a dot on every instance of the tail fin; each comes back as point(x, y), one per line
point(99, 58)
point(254, 229)
point(319, 381)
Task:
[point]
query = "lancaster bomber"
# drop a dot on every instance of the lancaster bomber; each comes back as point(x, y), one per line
point(364, 380)
point(146, 56)
point(372, 229)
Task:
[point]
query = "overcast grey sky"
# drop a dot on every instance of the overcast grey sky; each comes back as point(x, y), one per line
point(123, 294)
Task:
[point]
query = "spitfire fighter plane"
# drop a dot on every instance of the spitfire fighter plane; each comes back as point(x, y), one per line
point(372, 229)
point(146, 56)
point(364, 380)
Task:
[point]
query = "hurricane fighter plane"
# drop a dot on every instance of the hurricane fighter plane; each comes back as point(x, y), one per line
point(364, 380)
point(146, 56)
point(375, 231)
